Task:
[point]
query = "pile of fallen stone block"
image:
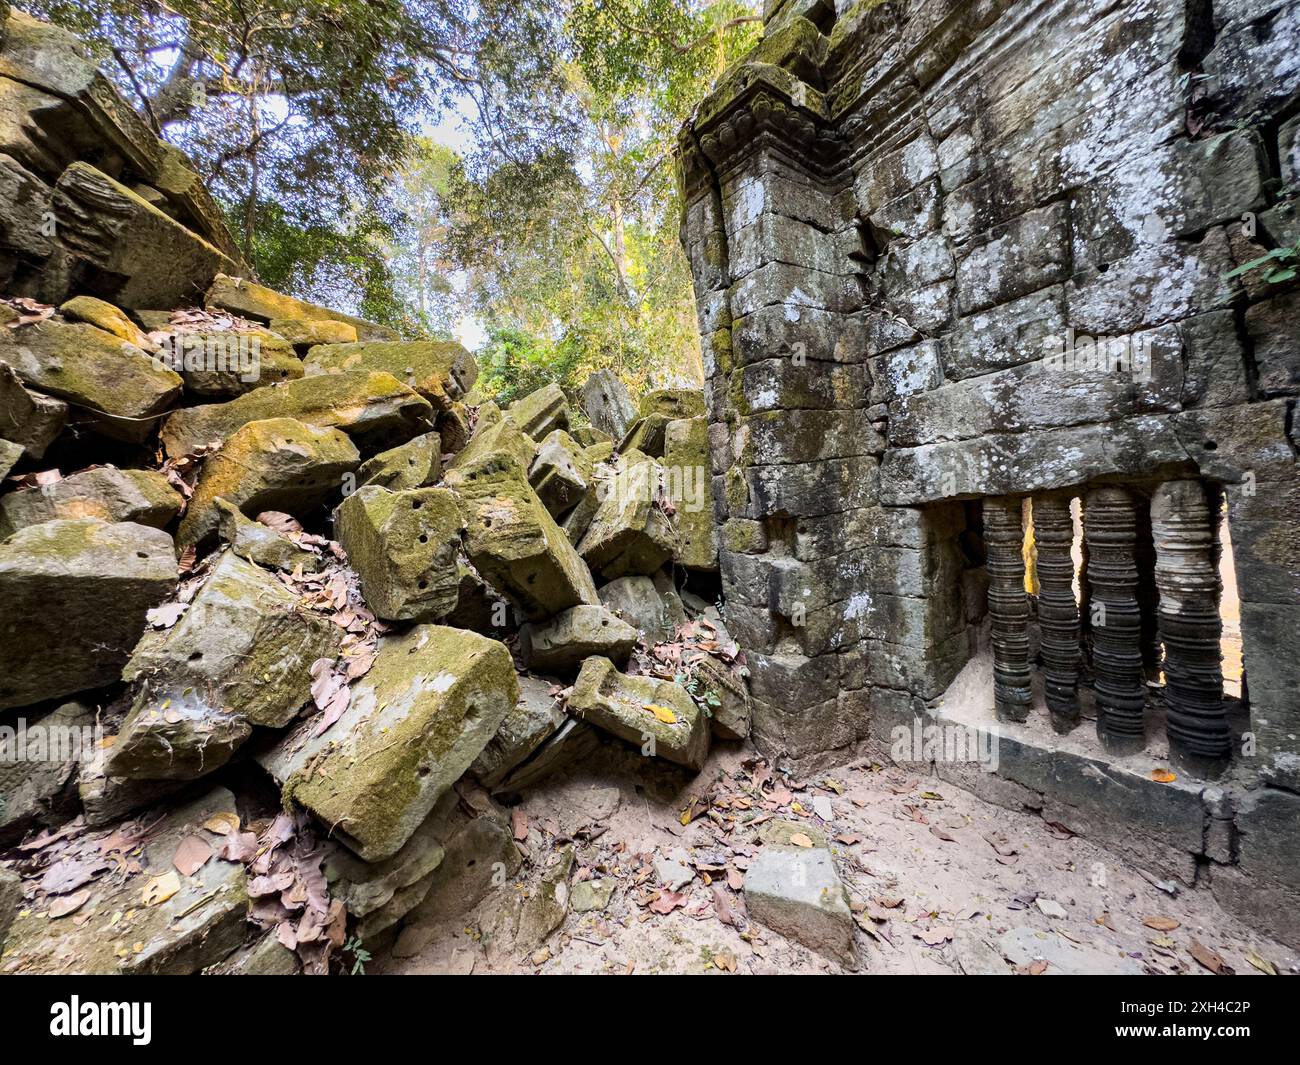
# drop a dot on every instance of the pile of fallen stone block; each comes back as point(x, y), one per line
point(289, 605)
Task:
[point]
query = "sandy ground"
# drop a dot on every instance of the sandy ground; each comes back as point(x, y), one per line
point(935, 875)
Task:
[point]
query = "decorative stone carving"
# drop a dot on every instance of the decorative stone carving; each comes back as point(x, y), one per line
point(1187, 577)
point(1110, 530)
point(1058, 613)
point(1008, 607)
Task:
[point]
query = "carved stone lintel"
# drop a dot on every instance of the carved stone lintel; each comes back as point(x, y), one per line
point(1187, 577)
point(1008, 607)
point(1058, 613)
point(1110, 529)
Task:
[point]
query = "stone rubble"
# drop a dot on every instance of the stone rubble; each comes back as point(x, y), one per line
point(333, 568)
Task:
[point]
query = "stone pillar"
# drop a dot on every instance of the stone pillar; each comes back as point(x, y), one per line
point(1058, 613)
point(1110, 531)
point(1144, 557)
point(1187, 576)
point(1004, 540)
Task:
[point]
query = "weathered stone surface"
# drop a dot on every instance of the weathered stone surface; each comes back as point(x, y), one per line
point(494, 435)
point(223, 365)
point(371, 890)
point(103, 314)
point(251, 300)
point(429, 705)
point(373, 408)
point(198, 926)
point(620, 704)
point(592, 896)
point(480, 857)
point(570, 744)
point(28, 419)
point(260, 543)
point(540, 413)
point(144, 258)
point(307, 333)
point(561, 473)
point(607, 404)
point(123, 386)
point(730, 714)
point(674, 402)
point(239, 656)
point(75, 594)
point(415, 464)
point(644, 606)
point(266, 957)
point(535, 717)
point(24, 200)
point(1276, 349)
point(106, 799)
point(276, 464)
point(439, 370)
point(106, 493)
point(514, 542)
point(646, 435)
point(560, 644)
point(545, 909)
point(796, 891)
point(686, 475)
point(631, 533)
point(10, 456)
point(403, 546)
point(38, 790)
point(52, 59)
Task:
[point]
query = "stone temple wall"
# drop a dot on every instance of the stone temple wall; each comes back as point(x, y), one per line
point(914, 228)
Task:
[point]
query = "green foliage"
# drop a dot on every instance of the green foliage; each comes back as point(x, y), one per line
point(1278, 265)
point(513, 363)
point(304, 111)
point(579, 247)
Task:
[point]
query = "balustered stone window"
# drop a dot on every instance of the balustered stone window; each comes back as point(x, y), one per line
point(1124, 586)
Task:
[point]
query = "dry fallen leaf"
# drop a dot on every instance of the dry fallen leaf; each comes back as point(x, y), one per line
point(1161, 924)
point(1210, 959)
point(222, 824)
point(661, 712)
point(160, 889)
point(191, 855)
point(1262, 964)
point(67, 904)
point(801, 840)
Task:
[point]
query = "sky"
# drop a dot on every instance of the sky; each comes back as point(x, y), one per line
point(455, 130)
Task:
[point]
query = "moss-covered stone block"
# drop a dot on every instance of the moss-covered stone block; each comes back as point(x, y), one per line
point(429, 705)
point(275, 464)
point(404, 547)
point(373, 408)
point(124, 388)
point(75, 595)
point(514, 542)
point(656, 715)
point(240, 655)
point(106, 493)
